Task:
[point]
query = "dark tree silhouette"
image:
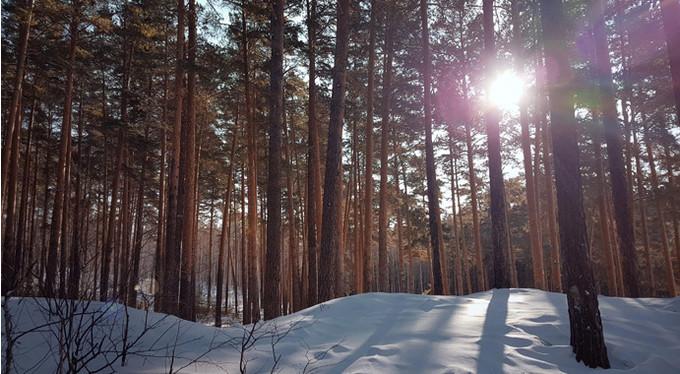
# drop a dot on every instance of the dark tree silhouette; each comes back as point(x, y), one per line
point(587, 338)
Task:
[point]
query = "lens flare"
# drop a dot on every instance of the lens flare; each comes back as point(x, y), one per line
point(506, 90)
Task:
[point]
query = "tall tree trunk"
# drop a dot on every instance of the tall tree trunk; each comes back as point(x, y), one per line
point(606, 239)
point(253, 305)
point(343, 218)
point(211, 225)
point(556, 263)
point(139, 223)
point(617, 169)
point(466, 284)
point(472, 176)
point(617, 255)
point(11, 256)
point(332, 197)
point(109, 245)
point(122, 262)
point(65, 214)
point(643, 215)
point(626, 108)
point(383, 269)
point(170, 275)
point(661, 217)
point(357, 237)
point(74, 263)
point(33, 257)
point(224, 233)
point(57, 208)
point(400, 287)
point(159, 258)
point(187, 177)
point(25, 267)
point(313, 165)
point(440, 285)
point(458, 263)
point(46, 199)
point(409, 257)
point(272, 293)
point(294, 282)
point(587, 339)
point(245, 267)
point(499, 225)
point(232, 256)
point(25, 14)
point(535, 242)
point(545, 141)
point(365, 266)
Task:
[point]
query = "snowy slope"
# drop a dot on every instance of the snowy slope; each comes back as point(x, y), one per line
point(512, 331)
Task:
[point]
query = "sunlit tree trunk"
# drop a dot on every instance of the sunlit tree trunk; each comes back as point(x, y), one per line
point(332, 197)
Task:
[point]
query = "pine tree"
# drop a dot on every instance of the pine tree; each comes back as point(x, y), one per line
point(587, 339)
point(613, 136)
point(499, 225)
point(272, 295)
point(439, 285)
point(332, 197)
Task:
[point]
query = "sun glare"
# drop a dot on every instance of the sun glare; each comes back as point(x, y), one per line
point(506, 90)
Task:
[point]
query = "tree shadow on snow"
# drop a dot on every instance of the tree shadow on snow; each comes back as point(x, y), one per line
point(397, 323)
point(491, 343)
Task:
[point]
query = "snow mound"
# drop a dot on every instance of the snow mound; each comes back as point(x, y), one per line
point(509, 331)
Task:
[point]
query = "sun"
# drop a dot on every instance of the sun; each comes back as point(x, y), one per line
point(506, 90)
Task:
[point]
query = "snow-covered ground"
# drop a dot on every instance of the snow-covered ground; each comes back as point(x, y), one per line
point(512, 331)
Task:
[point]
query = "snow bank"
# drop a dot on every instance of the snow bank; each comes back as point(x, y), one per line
point(512, 331)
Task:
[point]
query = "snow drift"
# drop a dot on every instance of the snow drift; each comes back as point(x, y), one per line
point(518, 330)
